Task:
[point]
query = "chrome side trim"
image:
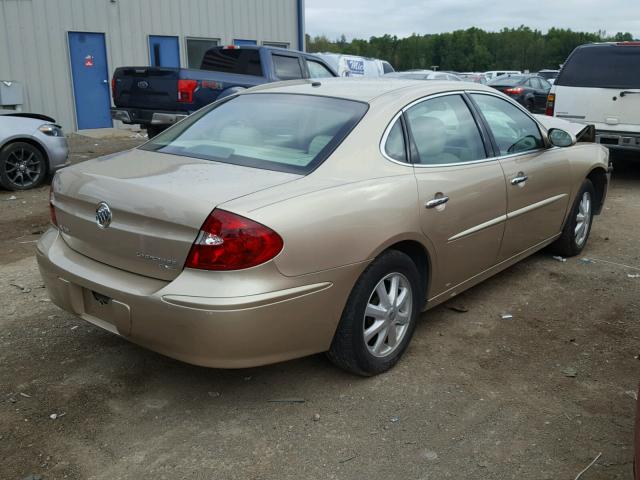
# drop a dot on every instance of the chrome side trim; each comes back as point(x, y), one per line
point(533, 206)
point(477, 228)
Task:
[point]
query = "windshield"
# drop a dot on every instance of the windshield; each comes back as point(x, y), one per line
point(604, 66)
point(508, 80)
point(272, 131)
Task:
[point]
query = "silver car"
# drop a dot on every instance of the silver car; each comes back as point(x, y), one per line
point(32, 147)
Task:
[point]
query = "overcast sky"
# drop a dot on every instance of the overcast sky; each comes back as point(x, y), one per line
point(364, 18)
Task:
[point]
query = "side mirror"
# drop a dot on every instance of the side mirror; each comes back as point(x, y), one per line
point(560, 138)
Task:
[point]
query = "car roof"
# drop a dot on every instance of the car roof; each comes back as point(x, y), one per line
point(365, 90)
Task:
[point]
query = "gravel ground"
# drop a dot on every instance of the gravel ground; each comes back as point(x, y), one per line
point(476, 396)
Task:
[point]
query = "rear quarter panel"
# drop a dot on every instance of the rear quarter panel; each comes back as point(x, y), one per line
point(584, 158)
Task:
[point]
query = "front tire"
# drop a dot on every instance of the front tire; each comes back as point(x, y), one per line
point(578, 226)
point(380, 316)
point(22, 166)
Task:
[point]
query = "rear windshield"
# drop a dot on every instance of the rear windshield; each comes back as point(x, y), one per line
point(272, 131)
point(607, 66)
point(508, 81)
point(245, 61)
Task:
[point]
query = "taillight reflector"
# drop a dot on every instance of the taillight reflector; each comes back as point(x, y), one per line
point(186, 89)
point(113, 87)
point(231, 242)
point(551, 104)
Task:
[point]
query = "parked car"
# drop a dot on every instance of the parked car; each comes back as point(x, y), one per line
point(498, 73)
point(530, 91)
point(472, 77)
point(32, 146)
point(424, 75)
point(157, 97)
point(600, 84)
point(549, 75)
point(229, 239)
point(355, 66)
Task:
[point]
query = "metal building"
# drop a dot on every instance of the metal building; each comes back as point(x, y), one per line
point(62, 53)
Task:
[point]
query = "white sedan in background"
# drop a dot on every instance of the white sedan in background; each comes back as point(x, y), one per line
point(32, 147)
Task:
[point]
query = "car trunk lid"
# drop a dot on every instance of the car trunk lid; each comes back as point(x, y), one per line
point(157, 202)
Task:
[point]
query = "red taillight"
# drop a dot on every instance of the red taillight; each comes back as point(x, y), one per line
point(230, 47)
point(230, 242)
point(52, 209)
point(186, 89)
point(551, 104)
point(514, 90)
point(113, 87)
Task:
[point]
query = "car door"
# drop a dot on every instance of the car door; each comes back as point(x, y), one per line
point(539, 93)
point(462, 197)
point(537, 178)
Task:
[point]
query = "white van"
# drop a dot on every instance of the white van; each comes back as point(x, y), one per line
point(600, 84)
point(354, 66)
point(498, 73)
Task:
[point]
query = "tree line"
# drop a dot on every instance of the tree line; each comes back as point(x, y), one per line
point(469, 50)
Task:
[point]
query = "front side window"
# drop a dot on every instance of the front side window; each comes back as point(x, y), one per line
point(283, 132)
point(317, 70)
point(513, 130)
point(287, 68)
point(444, 131)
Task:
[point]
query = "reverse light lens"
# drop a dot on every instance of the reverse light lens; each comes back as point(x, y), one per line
point(551, 105)
point(186, 89)
point(231, 242)
point(51, 130)
point(52, 209)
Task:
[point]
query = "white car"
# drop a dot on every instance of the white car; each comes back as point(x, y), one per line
point(498, 73)
point(424, 75)
point(600, 85)
point(32, 147)
point(355, 66)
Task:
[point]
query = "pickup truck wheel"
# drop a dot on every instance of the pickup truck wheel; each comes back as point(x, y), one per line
point(153, 130)
point(22, 166)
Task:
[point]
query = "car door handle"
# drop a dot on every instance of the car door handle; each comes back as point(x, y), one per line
point(519, 179)
point(436, 201)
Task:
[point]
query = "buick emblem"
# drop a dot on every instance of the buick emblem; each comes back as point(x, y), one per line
point(143, 84)
point(103, 215)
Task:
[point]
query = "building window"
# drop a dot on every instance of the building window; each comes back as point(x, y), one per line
point(196, 48)
point(239, 42)
point(276, 44)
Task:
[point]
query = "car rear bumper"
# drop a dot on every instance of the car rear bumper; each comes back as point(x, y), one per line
point(227, 331)
point(147, 117)
point(618, 140)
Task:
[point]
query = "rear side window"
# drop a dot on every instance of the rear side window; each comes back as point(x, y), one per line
point(444, 131)
point(605, 66)
point(287, 68)
point(318, 70)
point(394, 146)
point(283, 132)
point(233, 60)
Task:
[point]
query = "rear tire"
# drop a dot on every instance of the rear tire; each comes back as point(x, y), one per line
point(153, 130)
point(383, 309)
point(578, 225)
point(22, 166)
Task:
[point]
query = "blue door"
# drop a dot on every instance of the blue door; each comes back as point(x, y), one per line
point(164, 51)
point(90, 75)
point(238, 42)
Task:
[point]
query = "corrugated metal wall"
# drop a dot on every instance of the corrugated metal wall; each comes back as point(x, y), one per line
point(34, 41)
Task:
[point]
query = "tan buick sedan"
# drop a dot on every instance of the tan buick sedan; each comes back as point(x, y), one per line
point(308, 217)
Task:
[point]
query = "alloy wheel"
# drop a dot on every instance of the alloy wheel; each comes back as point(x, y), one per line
point(387, 315)
point(23, 167)
point(583, 219)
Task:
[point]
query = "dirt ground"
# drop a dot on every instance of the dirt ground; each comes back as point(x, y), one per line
point(475, 397)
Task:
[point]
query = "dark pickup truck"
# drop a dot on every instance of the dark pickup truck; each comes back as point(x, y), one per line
point(157, 97)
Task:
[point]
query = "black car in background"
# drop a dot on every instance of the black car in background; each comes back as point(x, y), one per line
point(529, 90)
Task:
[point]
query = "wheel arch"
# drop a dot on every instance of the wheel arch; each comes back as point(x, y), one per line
point(598, 177)
point(420, 256)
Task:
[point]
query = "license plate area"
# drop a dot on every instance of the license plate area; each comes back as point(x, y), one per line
point(106, 312)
